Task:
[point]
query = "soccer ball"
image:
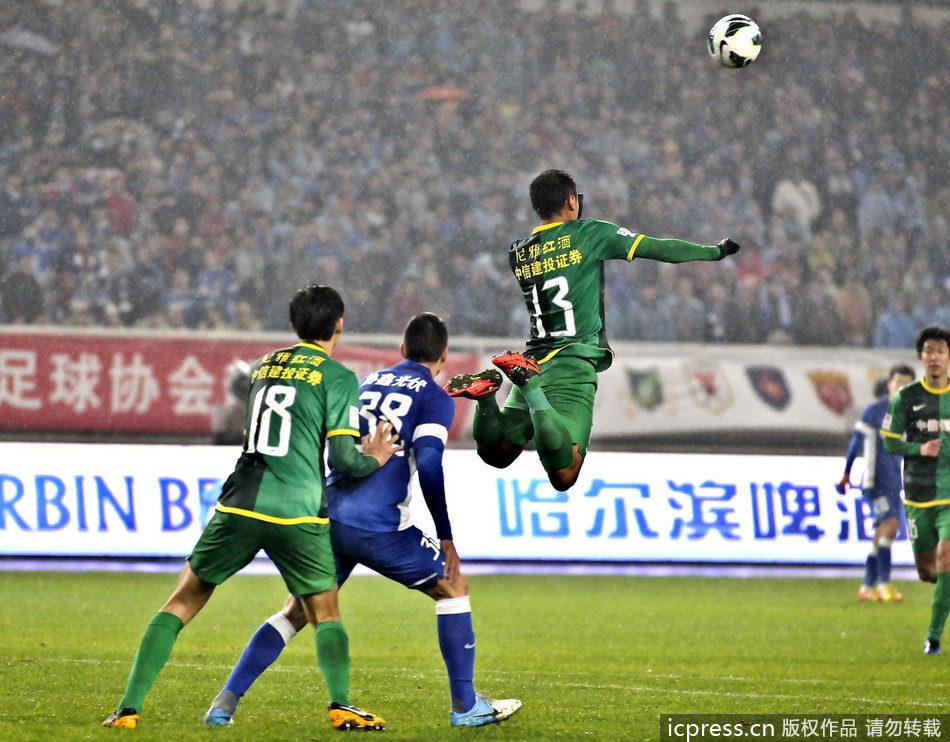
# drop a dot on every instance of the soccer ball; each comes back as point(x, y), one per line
point(735, 40)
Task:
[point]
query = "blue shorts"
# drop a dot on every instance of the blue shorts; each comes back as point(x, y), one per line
point(408, 557)
point(884, 505)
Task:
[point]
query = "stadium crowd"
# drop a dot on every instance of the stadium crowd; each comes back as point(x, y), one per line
point(190, 163)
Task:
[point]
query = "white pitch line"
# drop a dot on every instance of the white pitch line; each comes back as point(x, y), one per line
point(556, 680)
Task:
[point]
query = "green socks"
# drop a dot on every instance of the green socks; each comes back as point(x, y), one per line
point(534, 395)
point(551, 436)
point(941, 606)
point(552, 440)
point(154, 651)
point(487, 423)
point(333, 656)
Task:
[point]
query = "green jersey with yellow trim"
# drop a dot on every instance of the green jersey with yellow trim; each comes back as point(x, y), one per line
point(560, 269)
point(917, 414)
point(298, 398)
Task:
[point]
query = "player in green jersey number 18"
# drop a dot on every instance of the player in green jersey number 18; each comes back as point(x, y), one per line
point(916, 423)
point(560, 268)
point(300, 401)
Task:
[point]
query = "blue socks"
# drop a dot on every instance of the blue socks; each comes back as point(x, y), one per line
point(883, 563)
point(457, 642)
point(259, 654)
point(870, 570)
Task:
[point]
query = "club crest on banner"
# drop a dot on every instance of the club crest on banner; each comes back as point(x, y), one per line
point(770, 385)
point(709, 387)
point(833, 390)
point(645, 387)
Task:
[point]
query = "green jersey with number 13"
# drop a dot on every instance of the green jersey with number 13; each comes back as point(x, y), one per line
point(560, 268)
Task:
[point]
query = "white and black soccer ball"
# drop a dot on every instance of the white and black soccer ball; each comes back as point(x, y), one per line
point(735, 40)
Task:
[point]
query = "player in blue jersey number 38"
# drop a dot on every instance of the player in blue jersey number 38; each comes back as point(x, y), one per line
point(371, 526)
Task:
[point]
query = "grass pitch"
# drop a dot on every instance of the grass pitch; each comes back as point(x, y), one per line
point(592, 657)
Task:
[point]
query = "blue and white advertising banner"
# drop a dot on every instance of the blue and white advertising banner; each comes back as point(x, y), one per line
point(60, 499)
point(65, 499)
point(631, 507)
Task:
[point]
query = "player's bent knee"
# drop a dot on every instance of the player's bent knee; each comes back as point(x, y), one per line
point(926, 574)
point(561, 484)
point(497, 459)
point(294, 613)
point(564, 479)
point(444, 589)
point(460, 586)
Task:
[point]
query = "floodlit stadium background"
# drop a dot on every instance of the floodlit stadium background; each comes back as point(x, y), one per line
point(172, 171)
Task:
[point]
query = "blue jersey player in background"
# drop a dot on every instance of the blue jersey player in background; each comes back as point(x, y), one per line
point(370, 525)
point(880, 486)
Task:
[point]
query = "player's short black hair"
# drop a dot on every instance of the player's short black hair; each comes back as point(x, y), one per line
point(932, 333)
point(425, 338)
point(549, 192)
point(901, 369)
point(314, 311)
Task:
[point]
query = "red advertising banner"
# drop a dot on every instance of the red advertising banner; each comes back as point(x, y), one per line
point(145, 384)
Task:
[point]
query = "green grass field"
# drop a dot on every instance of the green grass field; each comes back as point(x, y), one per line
point(591, 657)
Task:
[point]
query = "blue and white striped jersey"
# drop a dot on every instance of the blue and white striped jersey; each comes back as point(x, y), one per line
point(421, 412)
point(882, 470)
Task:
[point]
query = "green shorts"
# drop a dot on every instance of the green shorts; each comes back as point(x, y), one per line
point(927, 526)
point(570, 385)
point(301, 553)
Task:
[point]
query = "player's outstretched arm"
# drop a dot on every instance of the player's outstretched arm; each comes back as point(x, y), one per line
point(377, 450)
point(681, 251)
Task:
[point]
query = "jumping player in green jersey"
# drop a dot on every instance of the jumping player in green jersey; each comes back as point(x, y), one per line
point(916, 423)
point(299, 402)
point(560, 268)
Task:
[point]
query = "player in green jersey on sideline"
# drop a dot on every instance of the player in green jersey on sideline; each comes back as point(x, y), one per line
point(916, 423)
point(300, 401)
point(560, 269)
